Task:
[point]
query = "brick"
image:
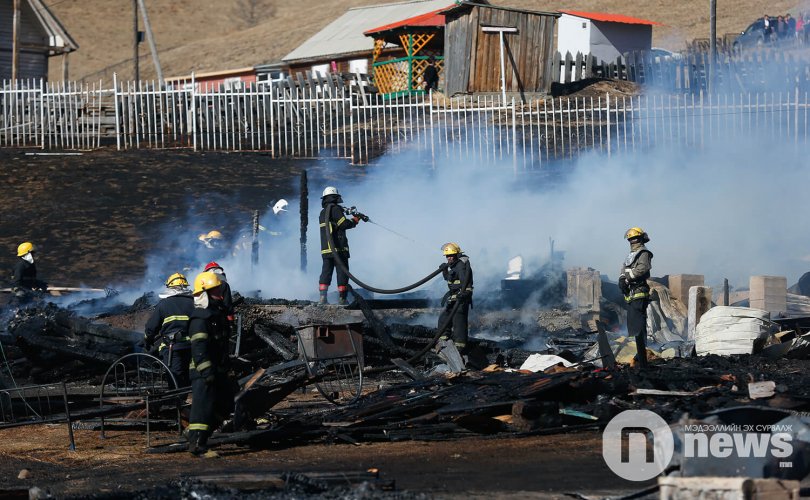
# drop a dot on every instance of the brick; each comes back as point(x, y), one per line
point(679, 285)
point(768, 293)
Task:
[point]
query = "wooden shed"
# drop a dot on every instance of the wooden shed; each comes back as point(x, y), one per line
point(40, 36)
point(478, 36)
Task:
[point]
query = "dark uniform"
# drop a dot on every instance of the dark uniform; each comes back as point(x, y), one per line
point(169, 326)
point(212, 389)
point(431, 77)
point(333, 220)
point(459, 277)
point(24, 276)
point(633, 282)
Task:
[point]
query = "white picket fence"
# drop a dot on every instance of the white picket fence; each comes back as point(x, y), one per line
point(318, 122)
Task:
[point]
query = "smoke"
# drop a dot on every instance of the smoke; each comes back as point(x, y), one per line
point(730, 210)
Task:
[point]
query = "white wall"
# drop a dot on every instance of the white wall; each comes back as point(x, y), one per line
point(358, 66)
point(573, 35)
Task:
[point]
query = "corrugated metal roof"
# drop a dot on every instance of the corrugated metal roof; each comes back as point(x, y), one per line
point(466, 4)
point(610, 18)
point(345, 34)
point(430, 19)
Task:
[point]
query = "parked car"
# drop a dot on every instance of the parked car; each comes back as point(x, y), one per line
point(660, 54)
point(753, 36)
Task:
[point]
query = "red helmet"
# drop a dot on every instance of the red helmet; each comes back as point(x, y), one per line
point(213, 265)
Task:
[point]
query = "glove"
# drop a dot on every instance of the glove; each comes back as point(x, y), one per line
point(464, 295)
point(443, 266)
point(209, 379)
point(623, 285)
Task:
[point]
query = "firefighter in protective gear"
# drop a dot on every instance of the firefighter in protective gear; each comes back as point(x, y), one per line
point(212, 388)
point(459, 276)
point(633, 278)
point(334, 221)
point(168, 327)
point(227, 298)
point(24, 280)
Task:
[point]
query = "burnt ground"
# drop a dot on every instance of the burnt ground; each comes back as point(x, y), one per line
point(531, 467)
point(95, 217)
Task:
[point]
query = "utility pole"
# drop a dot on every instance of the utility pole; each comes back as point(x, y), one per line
point(15, 43)
point(713, 43)
point(151, 39)
point(135, 39)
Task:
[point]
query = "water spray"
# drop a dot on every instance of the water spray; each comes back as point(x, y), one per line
point(365, 218)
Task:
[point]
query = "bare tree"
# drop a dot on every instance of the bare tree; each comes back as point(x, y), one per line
point(250, 12)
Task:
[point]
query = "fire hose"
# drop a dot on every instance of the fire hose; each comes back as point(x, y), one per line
point(342, 265)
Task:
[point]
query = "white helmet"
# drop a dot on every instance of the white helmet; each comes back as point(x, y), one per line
point(329, 190)
point(280, 206)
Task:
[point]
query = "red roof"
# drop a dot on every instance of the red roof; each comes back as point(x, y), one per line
point(430, 19)
point(610, 18)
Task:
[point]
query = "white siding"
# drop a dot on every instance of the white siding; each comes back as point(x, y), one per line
point(573, 35)
point(358, 66)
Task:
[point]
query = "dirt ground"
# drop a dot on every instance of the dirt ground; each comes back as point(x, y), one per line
point(531, 467)
point(95, 217)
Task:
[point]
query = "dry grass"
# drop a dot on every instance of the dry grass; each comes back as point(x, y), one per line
point(204, 35)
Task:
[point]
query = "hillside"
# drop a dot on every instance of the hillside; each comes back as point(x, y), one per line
point(203, 35)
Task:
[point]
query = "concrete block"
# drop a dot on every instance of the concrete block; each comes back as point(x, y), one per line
point(700, 301)
point(679, 285)
point(768, 293)
point(584, 289)
point(727, 488)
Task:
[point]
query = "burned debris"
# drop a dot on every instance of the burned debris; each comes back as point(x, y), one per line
point(374, 372)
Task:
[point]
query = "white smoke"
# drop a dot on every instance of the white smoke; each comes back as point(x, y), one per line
point(730, 210)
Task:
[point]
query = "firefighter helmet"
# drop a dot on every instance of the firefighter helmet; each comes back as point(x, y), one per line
point(451, 249)
point(205, 281)
point(176, 280)
point(211, 266)
point(330, 190)
point(214, 235)
point(636, 232)
point(280, 206)
point(25, 248)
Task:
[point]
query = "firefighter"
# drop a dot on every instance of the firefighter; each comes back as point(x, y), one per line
point(633, 283)
point(211, 384)
point(24, 280)
point(459, 276)
point(333, 220)
point(168, 325)
point(227, 298)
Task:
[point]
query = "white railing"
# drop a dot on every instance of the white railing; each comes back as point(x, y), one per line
point(319, 121)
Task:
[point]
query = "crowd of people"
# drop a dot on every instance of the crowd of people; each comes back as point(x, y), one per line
point(191, 326)
point(785, 27)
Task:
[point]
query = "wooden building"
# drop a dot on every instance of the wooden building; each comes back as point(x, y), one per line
point(211, 81)
point(420, 37)
point(40, 37)
point(342, 47)
point(478, 36)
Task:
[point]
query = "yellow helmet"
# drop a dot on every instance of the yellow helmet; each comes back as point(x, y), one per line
point(25, 248)
point(214, 235)
point(636, 232)
point(205, 281)
point(176, 280)
point(451, 249)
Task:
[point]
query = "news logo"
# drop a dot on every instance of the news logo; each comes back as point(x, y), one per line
point(628, 452)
